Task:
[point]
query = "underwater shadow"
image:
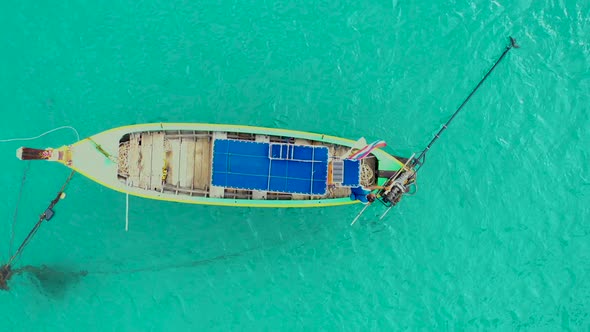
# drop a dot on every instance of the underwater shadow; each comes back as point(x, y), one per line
point(53, 281)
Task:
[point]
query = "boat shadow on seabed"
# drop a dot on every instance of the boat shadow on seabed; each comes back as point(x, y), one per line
point(52, 281)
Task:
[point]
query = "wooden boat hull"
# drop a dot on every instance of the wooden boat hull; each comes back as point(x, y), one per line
point(177, 162)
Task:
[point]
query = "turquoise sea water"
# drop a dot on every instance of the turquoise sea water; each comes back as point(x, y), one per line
point(497, 238)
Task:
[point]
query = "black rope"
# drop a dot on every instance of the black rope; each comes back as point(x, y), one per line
point(418, 162)
point(15, 216)
point(47, 215)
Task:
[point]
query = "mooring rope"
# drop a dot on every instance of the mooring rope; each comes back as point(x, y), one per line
point(5, 270)
point(47, 215)
point(15, 215)
point(39, 136)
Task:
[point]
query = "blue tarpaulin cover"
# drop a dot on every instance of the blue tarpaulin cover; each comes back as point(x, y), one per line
point(278, 167)
point(352, 173)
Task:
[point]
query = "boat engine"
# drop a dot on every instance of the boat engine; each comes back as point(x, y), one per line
point(396, 187)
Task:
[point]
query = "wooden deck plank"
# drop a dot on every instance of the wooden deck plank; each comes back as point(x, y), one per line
point(301, 141)
point(158, 156)
point(215, 191)
point(187, 161)
point(146, 160)
point(202, 160)
point(259, 194)
point(175, 165)
point(262, 138)
point(133, 159)
point(207, 165)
